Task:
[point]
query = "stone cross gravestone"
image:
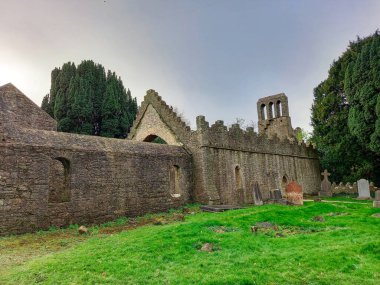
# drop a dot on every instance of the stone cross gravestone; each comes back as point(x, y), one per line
point(257, 197)
point(363, 189)
point(326, 190)
point(376, 203)
point(294, 193)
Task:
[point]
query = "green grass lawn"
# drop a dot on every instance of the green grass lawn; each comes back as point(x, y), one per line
point(342, 249)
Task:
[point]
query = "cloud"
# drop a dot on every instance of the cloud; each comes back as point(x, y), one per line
point(215, 58)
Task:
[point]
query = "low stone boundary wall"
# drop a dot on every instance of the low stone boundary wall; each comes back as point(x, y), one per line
point(349, 188)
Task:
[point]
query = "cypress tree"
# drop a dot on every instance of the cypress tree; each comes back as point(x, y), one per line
point(85, 100)
point(111, 108)
point(45, 105)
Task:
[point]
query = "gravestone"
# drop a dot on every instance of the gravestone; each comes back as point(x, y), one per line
point(276, 196)
point(326, 190)
point(363, 189)
point(294, 193)
point(219, 208)
point(376, 203)
point(257, 197)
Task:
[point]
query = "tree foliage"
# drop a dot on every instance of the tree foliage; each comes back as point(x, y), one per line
point(302, 135)
point(346, 113)
point(85, 100)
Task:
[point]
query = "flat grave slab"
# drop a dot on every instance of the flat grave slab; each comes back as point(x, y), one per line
point(219, 208)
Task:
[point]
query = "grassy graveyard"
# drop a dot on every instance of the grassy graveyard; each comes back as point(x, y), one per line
point(318, 243)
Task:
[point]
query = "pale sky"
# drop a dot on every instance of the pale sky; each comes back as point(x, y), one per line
point(205, 57)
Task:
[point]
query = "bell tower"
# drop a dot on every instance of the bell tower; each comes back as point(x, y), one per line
point(273, 116)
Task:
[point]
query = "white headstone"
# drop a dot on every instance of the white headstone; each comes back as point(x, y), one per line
point(363, 189)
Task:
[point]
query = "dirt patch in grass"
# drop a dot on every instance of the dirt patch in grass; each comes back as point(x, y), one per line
point(335, 214)
point(222, 229)
point(47, 240)
point(318, 219)
point(281, 231)
point(158, 219)
point(207, 246)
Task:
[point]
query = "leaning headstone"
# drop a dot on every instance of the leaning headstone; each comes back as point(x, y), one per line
point(376, 203)
point(257, 197)
point(294, 193)
point(363, 189)
point(326, 190)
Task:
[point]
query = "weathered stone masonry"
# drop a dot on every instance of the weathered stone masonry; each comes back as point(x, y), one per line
point(99, 179)
point(227, 162)
point(234, 159)
point(50, 178)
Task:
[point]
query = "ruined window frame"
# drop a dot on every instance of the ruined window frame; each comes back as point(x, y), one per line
point(64, 191)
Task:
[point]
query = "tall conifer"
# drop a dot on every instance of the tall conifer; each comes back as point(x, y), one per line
point(85, 100)
point(346, 113)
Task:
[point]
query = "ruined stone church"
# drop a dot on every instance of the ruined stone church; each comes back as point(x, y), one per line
point(52, 178)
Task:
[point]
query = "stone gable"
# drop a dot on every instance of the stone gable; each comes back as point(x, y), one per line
point(18, 109)
point(151, 124)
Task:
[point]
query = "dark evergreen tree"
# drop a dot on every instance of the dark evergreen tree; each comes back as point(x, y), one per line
point(111, 108)
point(344, 114)
point(84, 100)
point(45, 104)
point(60, 97)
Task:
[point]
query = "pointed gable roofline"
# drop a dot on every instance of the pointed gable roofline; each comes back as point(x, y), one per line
point(170, 118)
point(17, 109)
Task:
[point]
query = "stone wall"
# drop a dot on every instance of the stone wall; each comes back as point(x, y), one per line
point(220, 155)
point(50, 178)
point(155, 117)
point(234, 159)
point(348, 188)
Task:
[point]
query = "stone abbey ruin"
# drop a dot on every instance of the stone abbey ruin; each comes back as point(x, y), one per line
point(52, 178)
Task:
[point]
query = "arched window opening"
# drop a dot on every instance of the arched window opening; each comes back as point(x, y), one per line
point(284, 182)
point(270, 110)
point(238, 178)
point(278, 109)
point(59, 180)
point(175, 181)
point(155, 139)
point(263, 109)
